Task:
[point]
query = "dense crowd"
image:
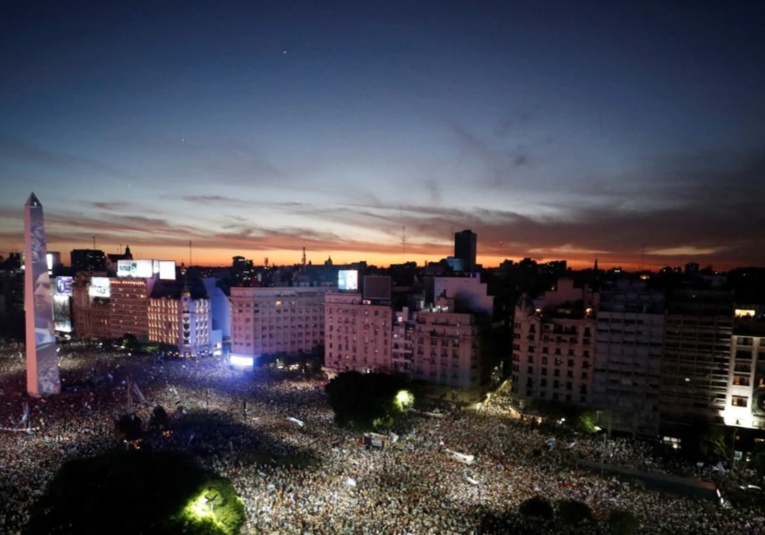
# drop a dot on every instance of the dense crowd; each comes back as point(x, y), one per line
point(273, 435)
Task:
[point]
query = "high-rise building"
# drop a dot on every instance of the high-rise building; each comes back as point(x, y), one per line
point(697, 355)
point(447, 347)
point(745, 401)
point(628, 355)
point(553, 346)
point(88, 260)
point(358, 334)
point(180, 315)
point(129, 306)
point(268, 321)
point(465, 245)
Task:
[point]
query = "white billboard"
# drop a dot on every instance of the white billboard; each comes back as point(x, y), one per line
point(348, 279)
point(167, 270)
point(100, 287)
point(143, 269)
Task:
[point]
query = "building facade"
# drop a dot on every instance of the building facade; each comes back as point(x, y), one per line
point(358, 334)
point(697, 358)
point(271, 321)
point(628, 356)
point(553, 347)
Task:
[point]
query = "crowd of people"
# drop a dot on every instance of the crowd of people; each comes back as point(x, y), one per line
point(273, 435)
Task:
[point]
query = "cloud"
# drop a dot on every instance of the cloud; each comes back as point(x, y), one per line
point(20, 153)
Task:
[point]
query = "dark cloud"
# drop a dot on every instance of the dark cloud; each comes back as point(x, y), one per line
point(15, 152)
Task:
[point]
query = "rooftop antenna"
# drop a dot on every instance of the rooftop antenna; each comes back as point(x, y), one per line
point(304, 259)
point(403, 240)
point(94, 241)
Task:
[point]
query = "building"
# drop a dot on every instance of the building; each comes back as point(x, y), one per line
point(447, 347)
point(469, 293)
point(358, 334)
point(628, 356)
point(180, 315)
point(90, 306)
point(113, 260)
point(465, 246)
point(270, 321)
point(92, 260)
point(554, 346)
point(745, 400)
point(402, 350)
point(129, 306)
point(697, 356)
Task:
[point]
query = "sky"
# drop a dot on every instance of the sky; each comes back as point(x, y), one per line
point(630, 132)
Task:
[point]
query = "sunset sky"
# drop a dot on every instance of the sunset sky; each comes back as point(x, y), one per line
point(554, 130)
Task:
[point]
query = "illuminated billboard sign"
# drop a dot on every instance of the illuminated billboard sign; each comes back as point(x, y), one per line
point(167, 270)
point(348, 279)
point(100, 287)
point(143, 269)
point(62, 314)
point(63, 285)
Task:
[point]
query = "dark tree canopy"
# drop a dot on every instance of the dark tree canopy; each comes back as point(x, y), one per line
point(573, 513)
point(136, 492)
point(537, 507)
point(366, 399)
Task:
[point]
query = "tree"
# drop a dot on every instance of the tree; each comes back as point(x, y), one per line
point(537, 507)
point(367, 400)
point(574, 512)
point(622, 522)
point(137, 492)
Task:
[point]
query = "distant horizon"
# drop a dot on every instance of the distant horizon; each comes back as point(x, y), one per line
point(200, 260)
point(630, 132)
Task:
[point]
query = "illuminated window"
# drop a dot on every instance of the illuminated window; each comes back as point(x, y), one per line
point(740, 401)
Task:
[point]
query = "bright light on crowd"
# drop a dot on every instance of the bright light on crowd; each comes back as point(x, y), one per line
point(404, 400)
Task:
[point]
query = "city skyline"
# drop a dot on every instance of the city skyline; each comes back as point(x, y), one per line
point(632, 134)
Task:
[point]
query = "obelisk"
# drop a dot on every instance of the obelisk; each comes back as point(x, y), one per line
point(42, 358)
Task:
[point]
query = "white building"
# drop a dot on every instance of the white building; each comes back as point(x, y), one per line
point(269, 321)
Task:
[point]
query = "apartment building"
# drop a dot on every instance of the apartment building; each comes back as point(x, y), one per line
point(553, 346)
point(697, 358)
point(269, 321)
point(359, 334)
point(447, 347)
point(628, 356)
point(181, 316)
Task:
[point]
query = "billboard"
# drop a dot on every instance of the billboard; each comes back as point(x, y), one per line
point(348, 279)
point(64, 286)
point(100, 287)
point(143, 269)
point(62, 313)
point(167, 270)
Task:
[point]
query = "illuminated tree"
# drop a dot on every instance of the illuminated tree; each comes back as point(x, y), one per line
point(151, 493)
point(368, 400)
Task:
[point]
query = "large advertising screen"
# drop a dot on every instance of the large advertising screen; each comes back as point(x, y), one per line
point(167, 270)
point(62, 313)
point(100, 287)
point(348, 279)
point(143, 269)
point(63, 285)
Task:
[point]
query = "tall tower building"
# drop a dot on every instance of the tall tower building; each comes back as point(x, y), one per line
point(697, 355)
point(465, 243)
point(42, 360)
